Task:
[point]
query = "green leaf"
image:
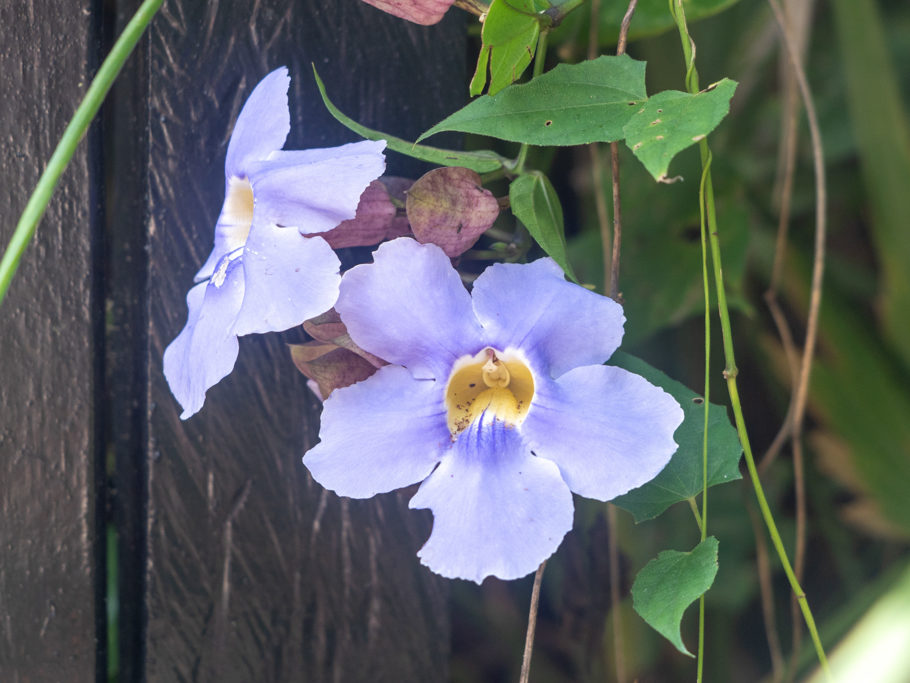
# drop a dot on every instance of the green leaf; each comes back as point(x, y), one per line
point(482, 162)
point(569, 105)
point(510, 32)
point(682, 478)
point(671, 121)
point(670, 583)
point(535, 203)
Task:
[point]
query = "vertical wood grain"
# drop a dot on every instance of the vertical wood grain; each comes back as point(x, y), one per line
point(254, 572)
point(50, 574)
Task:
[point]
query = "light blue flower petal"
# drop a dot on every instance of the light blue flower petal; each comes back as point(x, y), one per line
point(368, 148)
point(289, 278)
point(206, 349)
point(497, 509)
point(261, 130)
point(226, 241)
point(262, 126)
point(380, 434)
point(410, 308)
point(607, 429)
point(315, 190)
point(558, 324)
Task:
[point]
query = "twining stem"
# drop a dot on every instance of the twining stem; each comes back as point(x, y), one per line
point(614, 168)
point(611, 283)
point(818, 269)
point(730, 371)
point(703, 522)
point(75, 131)
point(532, 625)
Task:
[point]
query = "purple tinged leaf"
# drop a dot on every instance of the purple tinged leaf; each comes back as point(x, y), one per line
point(376, 220)
point(448, 207)
point(329, 366)
point(426, 12)
point(327, 328)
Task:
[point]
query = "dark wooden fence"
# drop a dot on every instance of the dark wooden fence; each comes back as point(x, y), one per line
point(232, 564)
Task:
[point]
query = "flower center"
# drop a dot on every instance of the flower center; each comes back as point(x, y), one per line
point(495, 381)
point(238, 209)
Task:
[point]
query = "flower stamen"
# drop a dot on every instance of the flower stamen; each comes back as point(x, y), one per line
point(498, 383)
point(495, 373)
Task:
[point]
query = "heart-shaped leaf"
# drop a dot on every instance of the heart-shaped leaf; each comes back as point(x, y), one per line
point(670, 583)
point(671, 121)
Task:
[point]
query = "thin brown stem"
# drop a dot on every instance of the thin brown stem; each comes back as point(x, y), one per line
point(619, 656)
point(624, 28)
point(614, 168)
point(597, 175)
point(617, 224)
point(802, 386)
point(611, 280)
point(594, 25)
point(532, 625)
point(792, 354)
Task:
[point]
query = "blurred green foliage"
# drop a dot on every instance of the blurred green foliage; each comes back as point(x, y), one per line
point(857, 431)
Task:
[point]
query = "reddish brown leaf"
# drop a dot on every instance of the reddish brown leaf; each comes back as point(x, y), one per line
point(330, 366)
point(450, 208)
point(376, 219)
point(328, 329)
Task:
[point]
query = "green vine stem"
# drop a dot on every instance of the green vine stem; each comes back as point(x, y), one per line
point(707, 208)
point(703, 522)
point(75, 131)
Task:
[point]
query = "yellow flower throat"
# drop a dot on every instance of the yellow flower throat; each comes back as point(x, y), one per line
point(498, 382)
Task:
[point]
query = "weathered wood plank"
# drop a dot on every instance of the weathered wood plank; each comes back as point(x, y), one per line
point(255, 573)
point(49, 371)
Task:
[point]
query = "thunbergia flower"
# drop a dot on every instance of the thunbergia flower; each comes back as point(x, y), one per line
point(497, 401)
point(264, 274)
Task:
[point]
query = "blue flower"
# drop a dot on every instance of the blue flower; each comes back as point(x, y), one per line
point(264, 274)
point(497, 401)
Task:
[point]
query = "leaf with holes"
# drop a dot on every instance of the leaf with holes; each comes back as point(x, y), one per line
point(682, 478)
point(573, 104)
point(671, 121)
point(535, 203)
point(670, 583)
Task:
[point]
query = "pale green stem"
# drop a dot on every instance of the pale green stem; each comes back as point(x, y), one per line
point(75, 131)
point(731, 370)
point(703, 526)
point(695, 513)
